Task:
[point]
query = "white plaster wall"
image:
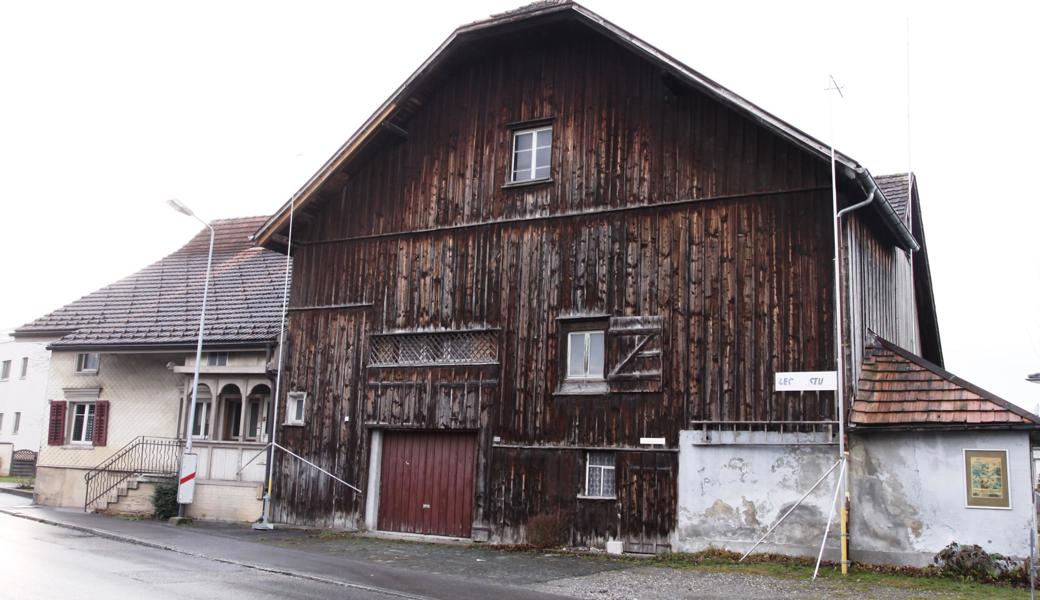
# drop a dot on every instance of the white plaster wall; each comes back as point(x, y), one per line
point(144, 398)
point(734, 485)
point(908, 493)
point(25, 396)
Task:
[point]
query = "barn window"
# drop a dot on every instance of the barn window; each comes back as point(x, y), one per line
point(87, 362)
point(294, 412)
point(599, 475)
point(585, 354)
point(531, 154)
point(474, 347)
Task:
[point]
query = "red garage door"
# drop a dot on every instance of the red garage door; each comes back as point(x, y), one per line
point(426, 483)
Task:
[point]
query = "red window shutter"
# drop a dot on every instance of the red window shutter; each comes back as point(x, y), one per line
point(56, 428)
point(101, 422)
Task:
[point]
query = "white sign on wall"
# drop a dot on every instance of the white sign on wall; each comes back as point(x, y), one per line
point(807, 381)
point(186, 481)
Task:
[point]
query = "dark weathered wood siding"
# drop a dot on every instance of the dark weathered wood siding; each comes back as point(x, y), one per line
point(663, 203)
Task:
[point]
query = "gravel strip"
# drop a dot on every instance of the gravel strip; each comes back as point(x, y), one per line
point(654, 583)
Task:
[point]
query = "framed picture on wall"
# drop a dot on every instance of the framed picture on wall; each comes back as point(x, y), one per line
point(986, 479)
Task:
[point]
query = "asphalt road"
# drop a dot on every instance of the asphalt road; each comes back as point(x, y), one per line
point(43, 562)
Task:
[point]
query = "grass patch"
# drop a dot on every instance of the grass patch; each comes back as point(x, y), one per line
point(25, 482)
point(861, 577)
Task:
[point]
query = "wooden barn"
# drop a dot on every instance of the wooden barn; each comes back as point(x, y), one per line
point(548, 254)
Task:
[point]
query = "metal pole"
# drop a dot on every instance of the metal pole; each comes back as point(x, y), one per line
point(839, 358)
point(265, 518)
point(790, 510)
point(830, 517)
point(198, 346)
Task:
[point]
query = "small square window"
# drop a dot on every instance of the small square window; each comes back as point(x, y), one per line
point(217, 359)
point(294, 412)
point(532, 151)
point(585, 355)
point(87, 362)
point(5, 370)
point(599, 475)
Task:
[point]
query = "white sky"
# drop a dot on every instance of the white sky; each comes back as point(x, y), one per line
point(107, 109)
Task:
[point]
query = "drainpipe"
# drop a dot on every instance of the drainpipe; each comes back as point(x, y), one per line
point(840, 358)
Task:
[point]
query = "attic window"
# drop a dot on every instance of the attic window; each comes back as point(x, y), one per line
point(532, 150)
point(473, 347)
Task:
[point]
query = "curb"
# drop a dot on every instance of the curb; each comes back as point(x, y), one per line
point(147, 544)
point(17, 492)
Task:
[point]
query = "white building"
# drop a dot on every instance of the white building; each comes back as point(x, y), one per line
point(23, 381)
point(120, 381)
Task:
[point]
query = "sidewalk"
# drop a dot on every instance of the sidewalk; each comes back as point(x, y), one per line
point(377, 565)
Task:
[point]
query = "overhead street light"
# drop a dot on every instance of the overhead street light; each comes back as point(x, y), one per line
point(188, 460)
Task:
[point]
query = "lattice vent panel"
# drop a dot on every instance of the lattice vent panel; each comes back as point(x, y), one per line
point(434, 348)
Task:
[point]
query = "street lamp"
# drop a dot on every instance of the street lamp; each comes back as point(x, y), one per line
point(188, 464)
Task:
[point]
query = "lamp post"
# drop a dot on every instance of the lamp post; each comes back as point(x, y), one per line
point(188, 462)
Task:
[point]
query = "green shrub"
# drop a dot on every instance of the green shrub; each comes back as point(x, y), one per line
point(164, 499)
point(545, 531)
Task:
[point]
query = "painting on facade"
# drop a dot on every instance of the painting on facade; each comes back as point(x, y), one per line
point(986, 479)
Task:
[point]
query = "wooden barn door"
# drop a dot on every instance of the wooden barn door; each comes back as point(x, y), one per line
point(426, 483)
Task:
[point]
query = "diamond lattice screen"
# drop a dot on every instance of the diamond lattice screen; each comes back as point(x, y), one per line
point(434, 348)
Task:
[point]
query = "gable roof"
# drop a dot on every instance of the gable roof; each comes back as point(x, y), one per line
point(158, 306)
point(539, 13)
point(896, 188)
point(900, 390)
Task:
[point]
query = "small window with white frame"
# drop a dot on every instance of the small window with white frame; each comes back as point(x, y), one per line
point(585, 352)
point(217, 359)
point(25, 367)
point(5, 370)
point(17, 422)
point(81, 426)
point(599, 475)
point(295, 411)
point(532, 153)
point(87, 362)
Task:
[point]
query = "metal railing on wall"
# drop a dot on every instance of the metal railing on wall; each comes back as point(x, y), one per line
point(143, 456)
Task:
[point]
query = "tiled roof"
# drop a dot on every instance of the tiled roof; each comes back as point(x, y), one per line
point(896, 188)
point(899, 389)
point(159, 305)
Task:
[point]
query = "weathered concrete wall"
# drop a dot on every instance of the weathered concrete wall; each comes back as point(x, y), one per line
point(735, 485)
point(908, 494)
point(226, 501)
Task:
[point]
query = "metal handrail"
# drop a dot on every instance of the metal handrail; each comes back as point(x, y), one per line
point(142, 456)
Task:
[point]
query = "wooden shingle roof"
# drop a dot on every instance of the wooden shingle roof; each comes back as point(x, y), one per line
point(158, 306)
point(898, 389)
point(896, 188)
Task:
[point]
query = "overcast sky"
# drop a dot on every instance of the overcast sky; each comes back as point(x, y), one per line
point(107, 109)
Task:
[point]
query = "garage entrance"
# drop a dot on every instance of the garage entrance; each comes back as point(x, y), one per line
point(426, 483)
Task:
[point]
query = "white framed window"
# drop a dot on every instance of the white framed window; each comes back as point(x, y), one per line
point(585, 355)
point(599, 475)
point(294, 412)
point(81, 426)
point(87, 362)
point(17, 422)
point(5, 370)
point(25, 367)
point(1, 422)
point(217, 359)
point(532, 152)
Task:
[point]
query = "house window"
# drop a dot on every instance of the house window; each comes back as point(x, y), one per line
point(87, 362)
point(599, 475)
point(25, 366)
point(531, 154)
point(585, 355)
point(17, 422)
point(200, 426)
point(1, 422)
point(295, 410)
point(5, 370)
point(82, 423)
point(217, 359)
